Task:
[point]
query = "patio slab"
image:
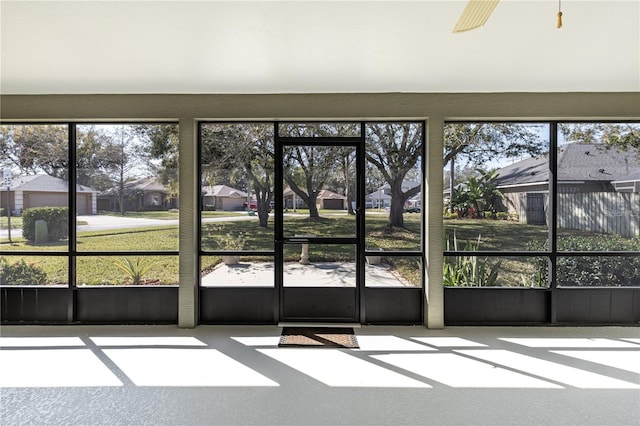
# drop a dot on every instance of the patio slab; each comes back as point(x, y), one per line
point(261, 274)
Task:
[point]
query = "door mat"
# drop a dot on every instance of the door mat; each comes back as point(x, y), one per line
point(313, 337)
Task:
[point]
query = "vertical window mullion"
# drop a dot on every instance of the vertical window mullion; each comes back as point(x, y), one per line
point(71, 273)
point(553, 203)
point(553, 221)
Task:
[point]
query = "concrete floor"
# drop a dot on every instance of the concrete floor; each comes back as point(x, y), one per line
point(236, 375)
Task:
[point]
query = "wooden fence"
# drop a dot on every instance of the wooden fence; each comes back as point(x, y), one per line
point(601, 212)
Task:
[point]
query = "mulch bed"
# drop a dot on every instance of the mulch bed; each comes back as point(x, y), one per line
point(325, 337)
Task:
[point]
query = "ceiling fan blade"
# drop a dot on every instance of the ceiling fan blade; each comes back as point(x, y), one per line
point(475, 14)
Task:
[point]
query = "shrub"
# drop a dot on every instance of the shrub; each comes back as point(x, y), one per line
point(468, 270)
point(3, 211)
point(57, 219)
point(580, 270)
point(21, 273)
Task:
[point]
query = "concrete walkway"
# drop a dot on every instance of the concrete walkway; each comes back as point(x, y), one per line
point(237, 375)
point(256, 274)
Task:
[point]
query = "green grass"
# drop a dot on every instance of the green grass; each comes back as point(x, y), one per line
point(103, 270)
point(495, 234)
point(93, 270)
point(16, 222)
point(147, 239)
point(217, 213)
point(160, 214)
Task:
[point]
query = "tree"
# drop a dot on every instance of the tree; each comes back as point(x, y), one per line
point(395, 149)
point(478, 143)
point(36, 149)
point(110, 157)
point(243, 153)
point(309, 167)
point(479, 192)
point(622, 136)
point(348, 158)
point(95, 156)
point(161, 146)
point(123, 162)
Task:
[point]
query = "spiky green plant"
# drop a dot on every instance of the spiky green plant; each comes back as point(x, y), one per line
point(134, 268)
point(468, 270)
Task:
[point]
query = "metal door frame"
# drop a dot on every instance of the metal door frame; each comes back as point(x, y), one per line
point(358, 143)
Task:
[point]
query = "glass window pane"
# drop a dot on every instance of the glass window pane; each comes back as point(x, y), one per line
point(598, 271)
point(599, 187)
point(237, 172)
point(496, 186)
point(503, 271)
point(336, 130)
point(127, 270)
point(319, 265)
point(35, 186)
point(393, 184)
point(318, 184)
point(132, 171)
point(34, 270)
point(237, 271)
point(393, 271)
point(494, 235)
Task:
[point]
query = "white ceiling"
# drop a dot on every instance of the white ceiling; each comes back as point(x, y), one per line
point(315, 47)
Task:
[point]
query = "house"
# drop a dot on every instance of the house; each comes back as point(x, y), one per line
point(381, 198)
point(629, 183)
point(325, 199)
point(146, 193)
point(329, 200)
point(598, 188)
point(223, 197)
point(46, 191)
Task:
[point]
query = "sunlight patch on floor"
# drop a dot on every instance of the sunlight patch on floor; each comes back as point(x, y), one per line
point(34, 342)
point(184, 367)
point(339, 369)
point(448, 342)
point(148, 341)
point(54, 368)
point(460, 372)
point(571, 342)
point(628, 360)
point(389, 343)
point(550, 370)
point(258, 340)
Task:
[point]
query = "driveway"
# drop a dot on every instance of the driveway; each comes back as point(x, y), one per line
point(104, 222)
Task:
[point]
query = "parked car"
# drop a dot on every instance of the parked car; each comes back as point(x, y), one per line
point(412, 207)
point(253, 205)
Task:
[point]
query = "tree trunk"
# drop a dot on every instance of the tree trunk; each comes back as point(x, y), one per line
point(347, 191)
point(262, 204)
point(350, 205)
point(452, 186)
point(396, 213)
point(313, 207)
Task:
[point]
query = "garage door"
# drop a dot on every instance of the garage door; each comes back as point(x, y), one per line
point(45, 199)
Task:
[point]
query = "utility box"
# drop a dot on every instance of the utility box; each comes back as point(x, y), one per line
point(42, 231)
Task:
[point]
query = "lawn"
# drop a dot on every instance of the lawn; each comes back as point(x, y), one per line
point(249, 236)
point(16, 222)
